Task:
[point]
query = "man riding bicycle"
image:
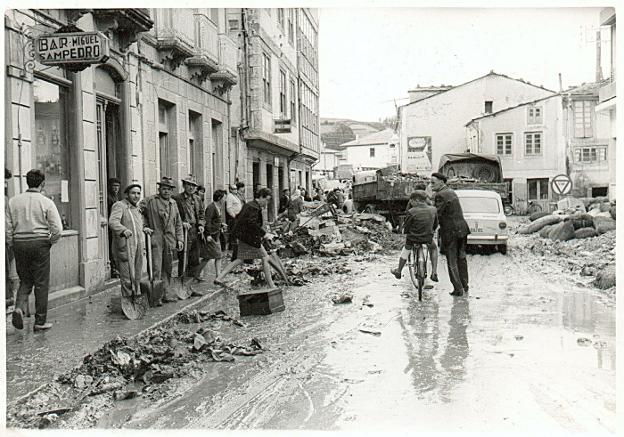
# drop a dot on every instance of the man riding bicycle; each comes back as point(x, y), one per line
point(419, 225)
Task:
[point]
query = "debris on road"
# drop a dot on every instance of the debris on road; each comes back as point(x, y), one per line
point(371, 331)
point(343, 298)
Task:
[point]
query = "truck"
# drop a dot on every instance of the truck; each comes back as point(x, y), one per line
point(386, 191)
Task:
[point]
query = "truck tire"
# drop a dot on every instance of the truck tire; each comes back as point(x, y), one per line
point(370, 208)
point(502, 248)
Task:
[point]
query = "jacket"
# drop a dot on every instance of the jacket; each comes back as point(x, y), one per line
point(213, 221)
point(450, 216)
point(248, 224)
point(190, 212)
point(125, 216)
point(32, 216)
point(420, 223)
point(164, 218)
point(233, 205)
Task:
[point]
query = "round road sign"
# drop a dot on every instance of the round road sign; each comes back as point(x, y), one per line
point(561, 184)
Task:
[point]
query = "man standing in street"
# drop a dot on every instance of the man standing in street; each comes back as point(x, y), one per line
point(193, 221)
point(284, 201)
point(126, 226)
point(162, 218)
point(233, 206)
point(453, 233)
point(33, 225)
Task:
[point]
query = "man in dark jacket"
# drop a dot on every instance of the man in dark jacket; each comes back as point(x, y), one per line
point(453, 233)
point(193, 222)
point(420, 223)
point(249, 232)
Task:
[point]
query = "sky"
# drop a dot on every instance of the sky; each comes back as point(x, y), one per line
point(370, 56)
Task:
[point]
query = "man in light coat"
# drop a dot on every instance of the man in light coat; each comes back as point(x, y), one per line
point(126, 226)
point(162, 218)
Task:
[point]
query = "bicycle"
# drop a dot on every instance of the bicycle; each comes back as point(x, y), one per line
point(417, 264)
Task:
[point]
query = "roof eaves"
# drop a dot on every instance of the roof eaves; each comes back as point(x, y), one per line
point(513, 107)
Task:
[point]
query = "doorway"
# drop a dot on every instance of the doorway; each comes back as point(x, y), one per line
point(108, 165)
point(271, 206)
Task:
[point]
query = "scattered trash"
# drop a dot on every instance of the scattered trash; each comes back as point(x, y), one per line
point(343, 298)
point(122, 395)
point(371, 331)
point(519, 337)
point(582, 341)
point(366, 302)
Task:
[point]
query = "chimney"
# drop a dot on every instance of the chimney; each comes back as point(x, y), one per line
point(560, 83)
point(598, 50)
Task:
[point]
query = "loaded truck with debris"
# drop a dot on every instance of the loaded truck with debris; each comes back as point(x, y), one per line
point(386, 191)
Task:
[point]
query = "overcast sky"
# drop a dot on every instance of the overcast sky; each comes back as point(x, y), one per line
point(368, 57)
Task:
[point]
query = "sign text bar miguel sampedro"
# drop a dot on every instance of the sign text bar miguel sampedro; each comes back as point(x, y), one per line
point(72, 48)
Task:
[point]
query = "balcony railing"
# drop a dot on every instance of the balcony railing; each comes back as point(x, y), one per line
point(228, 61)
point(174, 34)
point(206, 57)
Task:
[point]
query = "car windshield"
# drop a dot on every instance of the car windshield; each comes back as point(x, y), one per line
point(476, 205)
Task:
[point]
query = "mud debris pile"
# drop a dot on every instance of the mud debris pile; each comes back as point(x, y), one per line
point(125, 368)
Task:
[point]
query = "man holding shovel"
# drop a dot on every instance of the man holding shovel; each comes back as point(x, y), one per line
point(163, 221)
point(126, 226)
point(193, 223)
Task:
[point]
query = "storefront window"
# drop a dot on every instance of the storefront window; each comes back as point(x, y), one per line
point(50, 152)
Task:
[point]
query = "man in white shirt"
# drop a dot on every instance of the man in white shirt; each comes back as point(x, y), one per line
point(33, 225)
point(233, 206)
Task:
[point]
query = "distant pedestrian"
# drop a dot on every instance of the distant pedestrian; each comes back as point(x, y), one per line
point(305, 195)
point(233, 206)
point(347, 208)
point(453, 233)
point(211, 246)
point(240, 192)
point(248, 230)
point(126, 226)
point(193, 221)
point(162, 218)
point(8, 251)
point(33, 225)
point(284, 201)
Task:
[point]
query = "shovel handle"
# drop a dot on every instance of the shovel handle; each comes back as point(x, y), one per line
point(149, 257)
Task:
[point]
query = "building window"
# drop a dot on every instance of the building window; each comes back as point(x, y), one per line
point(590, 154)
point(280, 17)
point(282, 91)
point(198, 32)
point(266, 78)
point(232, 25)
point(534, 115)
point(51, 152)
point(503, 144)
point(488, 106)
point(371, 152)
point(293, 102)
point(291, 27)
point(532, 143)
point(583, 118)
point(538, 189)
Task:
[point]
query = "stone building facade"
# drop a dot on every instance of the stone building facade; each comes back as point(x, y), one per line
point(158, 106)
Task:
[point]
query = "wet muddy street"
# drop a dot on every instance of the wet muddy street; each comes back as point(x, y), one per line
point(524, 352)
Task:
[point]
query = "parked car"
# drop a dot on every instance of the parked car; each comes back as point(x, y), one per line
point(484, 213)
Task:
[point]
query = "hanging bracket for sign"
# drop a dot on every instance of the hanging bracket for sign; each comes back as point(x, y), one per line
point(74, 51)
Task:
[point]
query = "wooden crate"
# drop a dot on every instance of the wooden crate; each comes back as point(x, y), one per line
point(261, 302)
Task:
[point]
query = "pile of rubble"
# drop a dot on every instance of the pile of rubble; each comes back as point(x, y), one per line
point(335, 236)
point(582, 242)
point(125, 368)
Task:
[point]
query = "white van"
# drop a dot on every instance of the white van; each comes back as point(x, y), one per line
point(483, 211)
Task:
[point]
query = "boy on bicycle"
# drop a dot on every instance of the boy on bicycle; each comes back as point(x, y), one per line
point(419, 225)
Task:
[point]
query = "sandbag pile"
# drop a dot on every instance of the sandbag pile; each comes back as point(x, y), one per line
point(563, 227)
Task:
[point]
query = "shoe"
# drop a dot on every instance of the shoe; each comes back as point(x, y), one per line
point(396, 273)
point(168, 299)
point(18, 319)
point(196, 293)
point(43, 327)
point(198, 280)
point(466, 288)
point(159, 303)
point(434, 277)
point(456, 293)
point(428, 285)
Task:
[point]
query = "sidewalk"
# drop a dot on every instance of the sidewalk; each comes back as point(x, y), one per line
point(80, 328)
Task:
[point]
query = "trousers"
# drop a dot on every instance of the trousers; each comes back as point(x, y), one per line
point(456, 262)
point(32, 261)
point(162, 257)
point(192, 260)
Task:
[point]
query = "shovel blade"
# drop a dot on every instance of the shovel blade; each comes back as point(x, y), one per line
point(181, 290)
point(135, 307)
point(155, 293)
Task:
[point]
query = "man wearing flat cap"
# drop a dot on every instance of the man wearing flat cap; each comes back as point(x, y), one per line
point(193, 221)
point(453, 233)
point(126, 227)
point(162, 220)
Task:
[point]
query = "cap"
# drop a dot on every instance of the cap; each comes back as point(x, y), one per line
point(440, 176)
point(190, 180)
point(166, 182)
point(131, 186)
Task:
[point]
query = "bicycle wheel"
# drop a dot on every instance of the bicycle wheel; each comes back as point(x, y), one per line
point(533, 208)
point(421, 271)
point(411, 264)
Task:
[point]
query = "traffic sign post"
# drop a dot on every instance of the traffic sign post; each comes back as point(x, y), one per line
point(561, 184)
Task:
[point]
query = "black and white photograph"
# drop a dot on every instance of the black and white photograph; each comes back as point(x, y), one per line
point(326, 216)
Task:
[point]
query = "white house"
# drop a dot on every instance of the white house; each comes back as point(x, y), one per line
point(329, 158)
point(435, 125)
point(372, 151)
point(530, 140)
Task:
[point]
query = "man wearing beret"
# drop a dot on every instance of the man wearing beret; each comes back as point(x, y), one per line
point(126, 226)
point(163, 221)
point(453, 233)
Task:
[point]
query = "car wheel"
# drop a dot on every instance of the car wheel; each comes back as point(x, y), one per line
point(502, 248)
